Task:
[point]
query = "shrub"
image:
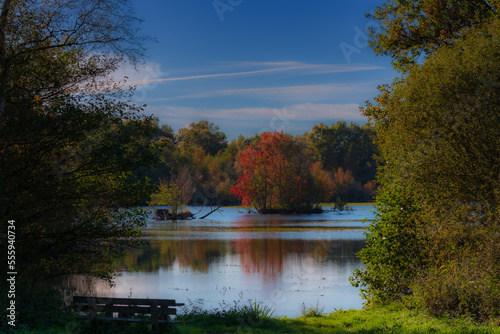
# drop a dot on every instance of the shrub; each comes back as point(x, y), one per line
point(312, 312)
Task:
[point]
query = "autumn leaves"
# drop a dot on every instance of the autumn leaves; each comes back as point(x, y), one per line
point(279, 175)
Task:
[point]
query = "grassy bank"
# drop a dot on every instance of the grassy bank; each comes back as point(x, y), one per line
point(393, 319)
point(258, 319)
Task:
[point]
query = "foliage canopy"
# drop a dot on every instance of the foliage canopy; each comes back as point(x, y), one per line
point(204, 135)
point(411, 30)
point(437, 232)
point(68, 153)
point(167, 194)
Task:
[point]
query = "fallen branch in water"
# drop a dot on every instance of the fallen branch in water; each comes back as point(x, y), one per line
point(217, 208)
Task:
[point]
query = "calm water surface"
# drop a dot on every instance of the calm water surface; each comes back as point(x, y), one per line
point(283, 261)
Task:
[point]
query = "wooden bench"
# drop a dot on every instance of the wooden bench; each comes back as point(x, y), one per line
point(123, 309)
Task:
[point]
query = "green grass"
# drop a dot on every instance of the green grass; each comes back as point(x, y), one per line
point(257, 318)
point(389, 319)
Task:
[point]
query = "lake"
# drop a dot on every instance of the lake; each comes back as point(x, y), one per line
point(283, 261)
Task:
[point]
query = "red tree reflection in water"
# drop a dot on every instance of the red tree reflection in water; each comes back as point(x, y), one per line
point(267, 256)
point(261, 256)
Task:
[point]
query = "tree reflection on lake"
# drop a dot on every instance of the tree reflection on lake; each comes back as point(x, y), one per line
point(282, 261)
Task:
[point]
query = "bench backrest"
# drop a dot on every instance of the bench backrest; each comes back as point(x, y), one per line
point(163, 307)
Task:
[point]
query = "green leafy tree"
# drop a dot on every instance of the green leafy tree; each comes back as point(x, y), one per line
point(411, 30)
point(170, 159)
point(346, 146)
point(66, 178)
point(42, 41)
point(67, 152)
point(439, 207)
point(222, 176)
point(203, 134)
point(394, 251)
point(167, 194)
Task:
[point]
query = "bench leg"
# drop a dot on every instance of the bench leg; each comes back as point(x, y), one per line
point(154, 317)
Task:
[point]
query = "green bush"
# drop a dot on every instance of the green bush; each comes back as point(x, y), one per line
point(394, 252)
point(467, 284)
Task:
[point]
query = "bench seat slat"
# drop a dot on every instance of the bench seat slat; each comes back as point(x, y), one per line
point(126, 301)
point(128, 309)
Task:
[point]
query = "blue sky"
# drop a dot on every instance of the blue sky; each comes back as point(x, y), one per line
point(257, 65)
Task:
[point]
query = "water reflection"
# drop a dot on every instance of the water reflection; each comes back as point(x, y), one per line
point(283, 261)
point(255, 254)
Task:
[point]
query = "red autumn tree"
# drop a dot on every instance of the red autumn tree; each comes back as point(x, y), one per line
point(278, 175)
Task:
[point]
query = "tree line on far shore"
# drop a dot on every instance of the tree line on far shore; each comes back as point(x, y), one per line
point(328, 164)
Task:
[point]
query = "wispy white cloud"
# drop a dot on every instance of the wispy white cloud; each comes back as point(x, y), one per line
point(306, 104)
point(241, 64)
point(285, 93)
point(298, 112)
point(266, 68)
point(140, 75)
point(328, 112)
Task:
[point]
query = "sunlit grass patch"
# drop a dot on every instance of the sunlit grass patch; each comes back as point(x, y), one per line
point(389, 319)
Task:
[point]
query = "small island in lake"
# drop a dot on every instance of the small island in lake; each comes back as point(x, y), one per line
point(279, 175)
